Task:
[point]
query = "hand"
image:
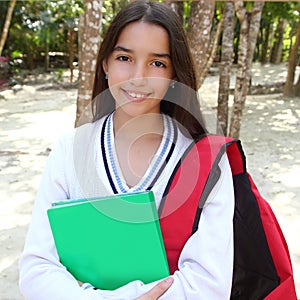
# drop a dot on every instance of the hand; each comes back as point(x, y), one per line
point(158, 290)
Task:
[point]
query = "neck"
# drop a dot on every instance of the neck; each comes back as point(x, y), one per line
point(134, 127)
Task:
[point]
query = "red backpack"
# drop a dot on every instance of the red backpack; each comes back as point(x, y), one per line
point(262, 265)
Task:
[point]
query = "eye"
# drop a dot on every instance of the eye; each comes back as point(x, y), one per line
point(158, 64)
point(123, 58)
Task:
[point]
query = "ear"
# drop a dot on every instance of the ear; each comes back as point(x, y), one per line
point(105, 66)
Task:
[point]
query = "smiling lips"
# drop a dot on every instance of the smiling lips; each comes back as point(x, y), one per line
point(136, 96)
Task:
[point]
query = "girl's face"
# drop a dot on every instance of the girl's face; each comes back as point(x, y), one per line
point(140, 69)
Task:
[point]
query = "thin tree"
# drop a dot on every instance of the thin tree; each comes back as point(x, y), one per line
point(250, 23)
point(71, 43)
point(289, 88)
point(211, 52)
point(7, 24)
point(267, 37)
point(276, 55)
point(90, 34)
point(199, 30)
point(70, 12)
point(225, 66)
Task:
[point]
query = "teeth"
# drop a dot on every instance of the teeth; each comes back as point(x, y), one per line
point(134, 95)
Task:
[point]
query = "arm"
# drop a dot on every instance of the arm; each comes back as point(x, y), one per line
point(41, 274)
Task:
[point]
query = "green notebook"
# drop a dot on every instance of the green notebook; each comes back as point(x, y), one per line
point(110, 241)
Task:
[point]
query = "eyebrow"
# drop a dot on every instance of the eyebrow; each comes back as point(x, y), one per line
point(123, 49)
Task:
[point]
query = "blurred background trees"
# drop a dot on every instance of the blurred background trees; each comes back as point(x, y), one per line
point(53, 35)
point(40, 33)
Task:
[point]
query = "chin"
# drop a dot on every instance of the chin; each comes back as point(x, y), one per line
point(134, 109)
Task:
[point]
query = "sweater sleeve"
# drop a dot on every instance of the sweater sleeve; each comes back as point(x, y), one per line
point(42, 276)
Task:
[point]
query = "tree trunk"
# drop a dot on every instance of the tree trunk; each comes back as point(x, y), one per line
point(213, 47)
point(30, 60)
point(90, 43)
point(71, 52)
point(7, 24)
point(47, 57)
point(250, 23)
point(277, 49)
point(265, 43)
point(199, 29)
point(296, 88)
point(288, 89)
point(271, 42)
point(225, 67)
point(255, 19)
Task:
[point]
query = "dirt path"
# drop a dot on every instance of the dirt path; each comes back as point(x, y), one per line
point(30, 122)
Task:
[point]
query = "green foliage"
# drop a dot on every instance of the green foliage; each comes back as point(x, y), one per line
point(3, 9)
point(276, 10)
point(186, 13)
point(58, 74)
point(109, 11)
point(273, 14)
point(41, 26)
point(16, 54)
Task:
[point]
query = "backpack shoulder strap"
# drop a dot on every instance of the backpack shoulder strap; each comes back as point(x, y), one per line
point(194, 175)
point(220, 144)
point(192, 172)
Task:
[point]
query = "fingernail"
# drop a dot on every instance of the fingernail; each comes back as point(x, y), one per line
point(169, 280)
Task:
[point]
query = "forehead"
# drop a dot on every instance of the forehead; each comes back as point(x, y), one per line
point(142, 36)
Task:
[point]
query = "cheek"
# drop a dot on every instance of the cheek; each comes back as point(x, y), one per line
point(117, 76)
point(161, 86)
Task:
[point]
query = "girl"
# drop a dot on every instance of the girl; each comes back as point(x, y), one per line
point(145, 115)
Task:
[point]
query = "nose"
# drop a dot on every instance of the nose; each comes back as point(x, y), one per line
point(139, 75)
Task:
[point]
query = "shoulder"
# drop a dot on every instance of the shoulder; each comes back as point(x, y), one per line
point(75, 140)
point(223, 190)
point(79, 135)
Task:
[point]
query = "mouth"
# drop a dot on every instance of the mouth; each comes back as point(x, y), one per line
point(136, 96)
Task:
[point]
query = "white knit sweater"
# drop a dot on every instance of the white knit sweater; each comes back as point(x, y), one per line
point(75, 169)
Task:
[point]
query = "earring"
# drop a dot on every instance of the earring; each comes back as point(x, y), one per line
point(172, 85)
point(106, 76)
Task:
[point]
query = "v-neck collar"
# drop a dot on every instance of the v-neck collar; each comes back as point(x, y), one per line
point(156, 167)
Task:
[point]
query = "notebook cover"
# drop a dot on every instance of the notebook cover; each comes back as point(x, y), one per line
point(110, 241)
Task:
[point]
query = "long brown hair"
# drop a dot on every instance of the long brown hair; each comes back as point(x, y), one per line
point(180, 102)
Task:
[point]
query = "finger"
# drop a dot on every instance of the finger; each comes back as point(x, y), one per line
point(159, 289)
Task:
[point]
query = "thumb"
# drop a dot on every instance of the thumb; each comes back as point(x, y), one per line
point(160, 288)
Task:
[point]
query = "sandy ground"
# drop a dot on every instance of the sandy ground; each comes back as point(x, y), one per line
point(32, 118)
